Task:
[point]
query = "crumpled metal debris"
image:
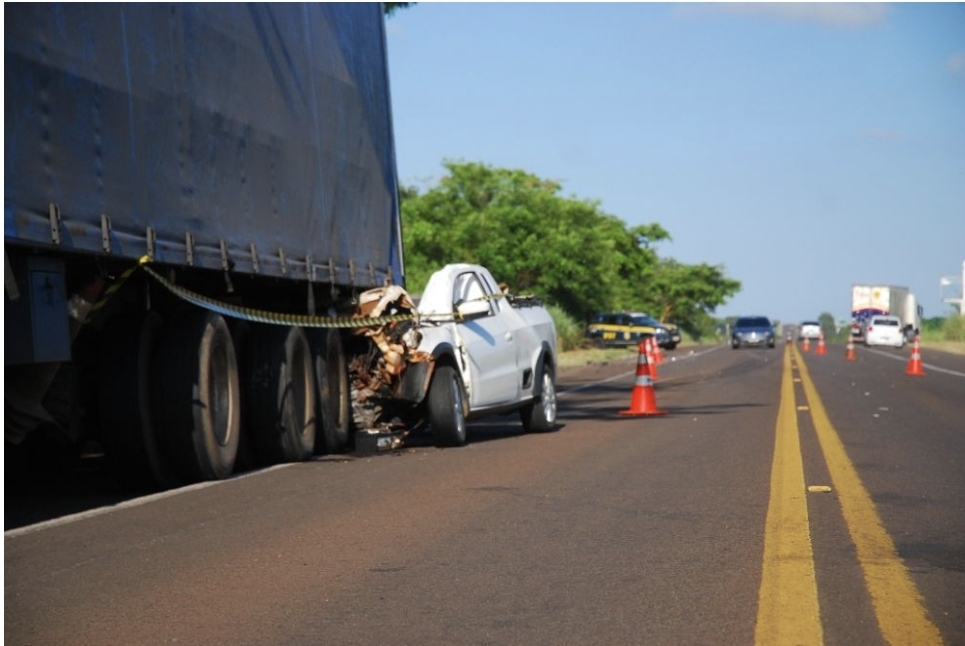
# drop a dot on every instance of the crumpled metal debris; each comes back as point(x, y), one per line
point(374, 376)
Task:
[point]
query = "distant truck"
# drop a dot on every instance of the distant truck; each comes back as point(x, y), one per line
point(869, 300)
point(246, 152)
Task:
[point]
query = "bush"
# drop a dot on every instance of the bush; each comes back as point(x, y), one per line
point(569, 331)
point(954, 328)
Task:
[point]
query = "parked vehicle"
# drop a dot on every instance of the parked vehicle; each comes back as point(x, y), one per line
point(630, 328)
point(809, 330)
point(180, 208)
point(621, 328)
point(884, 330)
point(667, 335)
point(872, 300)
point(491, 352)
point(752, 331)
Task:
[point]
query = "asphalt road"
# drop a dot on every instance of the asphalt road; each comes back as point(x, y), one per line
point(697, 527)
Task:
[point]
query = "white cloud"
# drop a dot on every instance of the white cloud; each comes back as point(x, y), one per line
point(956, 64)
point(854, 15)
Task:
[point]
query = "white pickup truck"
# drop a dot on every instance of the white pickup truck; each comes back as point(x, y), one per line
point(482, 351)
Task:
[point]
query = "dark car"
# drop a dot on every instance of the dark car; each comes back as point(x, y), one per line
point(621, 328)
point(752, 330)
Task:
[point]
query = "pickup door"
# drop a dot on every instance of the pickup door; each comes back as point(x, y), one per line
point(490, 342)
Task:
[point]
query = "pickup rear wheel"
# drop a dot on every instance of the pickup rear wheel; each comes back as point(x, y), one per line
point(445, 403)
point(540, 415)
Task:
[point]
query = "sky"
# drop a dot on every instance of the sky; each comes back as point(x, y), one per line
point(801, 147)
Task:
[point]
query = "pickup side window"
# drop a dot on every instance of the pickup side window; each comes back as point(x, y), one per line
point(468, 287)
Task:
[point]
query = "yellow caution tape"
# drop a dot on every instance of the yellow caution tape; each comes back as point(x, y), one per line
point(282, 318)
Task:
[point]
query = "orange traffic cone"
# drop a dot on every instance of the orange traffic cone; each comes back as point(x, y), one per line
point(914, 363)
point(642, 401)
point(849, 353)
point(657, 353)
point(821, 347)
point(651, 357)
point(807, 345)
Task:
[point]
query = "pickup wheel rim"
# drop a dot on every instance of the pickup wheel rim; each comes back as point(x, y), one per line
point(549, 399)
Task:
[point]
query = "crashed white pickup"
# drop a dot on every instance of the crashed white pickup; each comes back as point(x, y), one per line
point(482, 351)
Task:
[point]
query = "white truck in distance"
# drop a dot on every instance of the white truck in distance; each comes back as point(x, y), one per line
point(869, 300)
point(491, 353)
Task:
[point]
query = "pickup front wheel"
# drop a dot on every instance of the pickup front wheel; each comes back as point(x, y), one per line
point(445, 403)
point(540, 415)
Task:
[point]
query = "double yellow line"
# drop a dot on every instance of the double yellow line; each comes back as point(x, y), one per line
point(788, 608)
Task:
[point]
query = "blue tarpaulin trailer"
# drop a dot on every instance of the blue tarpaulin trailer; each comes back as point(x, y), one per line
point(243, 151)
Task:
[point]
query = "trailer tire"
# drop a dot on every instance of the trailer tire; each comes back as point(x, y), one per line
point(125, 366)
point(540, 414)
point(240, 337)
point(281, 394)
point(331, 392)
point(197, 395)
point(446, 408)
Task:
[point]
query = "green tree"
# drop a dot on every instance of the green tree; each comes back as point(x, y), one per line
point(389, 8)
point(565, 250)
point(828, 326)
point(687, 294)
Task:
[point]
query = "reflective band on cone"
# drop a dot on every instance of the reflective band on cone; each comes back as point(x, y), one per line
point(642, 400)
point(914, 363)
point(649, 344)
point(849, 353)
point(807, 345)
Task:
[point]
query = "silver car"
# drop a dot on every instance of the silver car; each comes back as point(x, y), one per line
point(752, 331)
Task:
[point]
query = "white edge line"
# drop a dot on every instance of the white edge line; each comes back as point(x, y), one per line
point(882, 353)
point(143, 500)
point(628, 373)
point(136, 502)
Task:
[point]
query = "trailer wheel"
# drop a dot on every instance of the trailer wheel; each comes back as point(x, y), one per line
point(124, 401)
point(197, 395)
point(445, 406)
point(332, 392)
point(240, 337)
point(540, 414)
point(281, 393)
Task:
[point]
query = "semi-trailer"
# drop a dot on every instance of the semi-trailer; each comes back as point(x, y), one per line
point(238, 154)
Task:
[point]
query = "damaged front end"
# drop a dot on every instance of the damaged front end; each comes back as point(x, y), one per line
point(381, 415)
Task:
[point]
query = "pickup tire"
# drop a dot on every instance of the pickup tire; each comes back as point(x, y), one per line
point(447, 418)
point(540, 414)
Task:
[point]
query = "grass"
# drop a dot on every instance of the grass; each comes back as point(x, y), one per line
point(954, 347)
point(583, 356)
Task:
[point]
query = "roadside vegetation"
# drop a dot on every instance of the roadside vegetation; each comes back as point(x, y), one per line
point(564, 250)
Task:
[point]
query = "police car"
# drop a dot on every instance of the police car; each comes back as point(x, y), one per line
point(629, 328)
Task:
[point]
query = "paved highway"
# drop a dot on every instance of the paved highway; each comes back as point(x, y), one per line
point(785, 498)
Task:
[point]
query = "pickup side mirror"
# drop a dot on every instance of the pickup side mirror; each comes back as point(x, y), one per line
point(473, 309)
